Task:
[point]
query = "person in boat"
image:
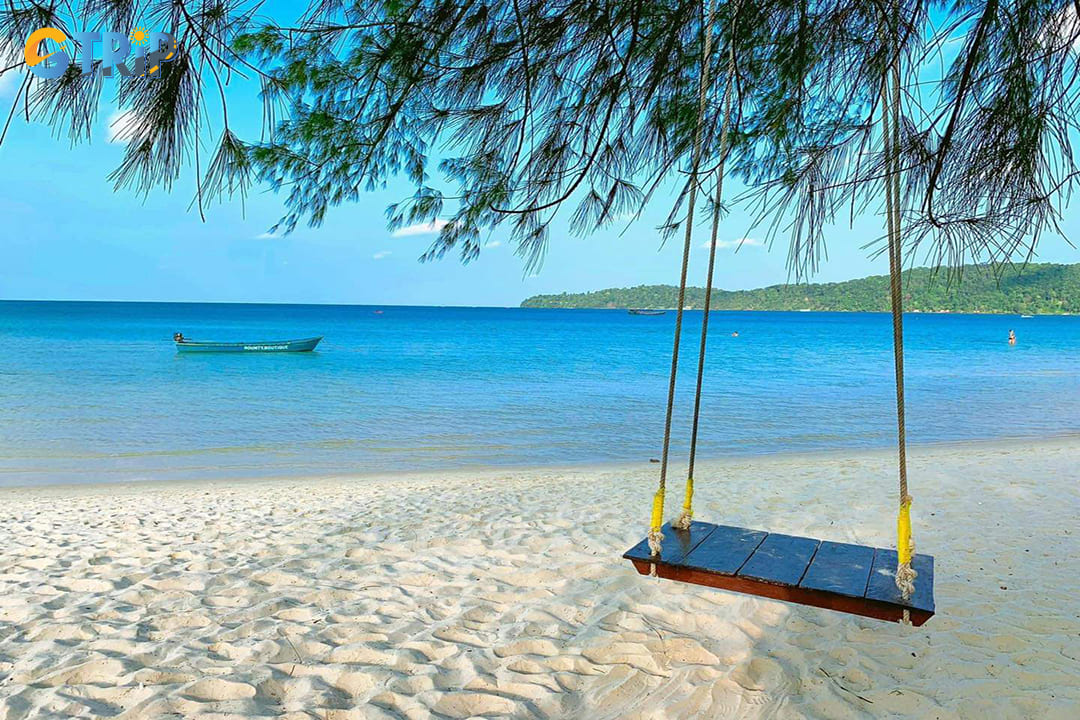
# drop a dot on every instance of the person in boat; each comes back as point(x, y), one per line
point(178, 337)
point(1012, 337)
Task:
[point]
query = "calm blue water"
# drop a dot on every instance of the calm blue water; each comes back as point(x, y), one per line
point(92, 391)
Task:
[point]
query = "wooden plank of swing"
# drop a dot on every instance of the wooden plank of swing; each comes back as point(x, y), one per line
point(883, 588)
point(847, 578)
point(780, 559)
point(726, 549)
point(840, 568)
point(677, 543)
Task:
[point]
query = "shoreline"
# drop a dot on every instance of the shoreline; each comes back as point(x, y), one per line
point(914, 450)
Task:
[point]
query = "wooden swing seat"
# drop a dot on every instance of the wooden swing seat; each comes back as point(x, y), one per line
point(854, 579)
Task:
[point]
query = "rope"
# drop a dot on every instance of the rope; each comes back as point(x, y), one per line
point(687, 515)
point(656, 538)
point(905, 546)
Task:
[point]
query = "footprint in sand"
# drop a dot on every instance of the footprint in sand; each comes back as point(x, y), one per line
point(467, 705)
point(528, 647)
point(761, 681)
point(89, 585)
point(218, 690)
point(102, 671)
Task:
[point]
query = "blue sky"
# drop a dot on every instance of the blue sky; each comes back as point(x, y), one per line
point(65, 234)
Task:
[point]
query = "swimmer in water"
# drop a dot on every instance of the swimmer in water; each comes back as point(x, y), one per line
point(735, 334)
point(1012, 337)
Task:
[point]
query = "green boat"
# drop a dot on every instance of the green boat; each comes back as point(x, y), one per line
point(193, 346)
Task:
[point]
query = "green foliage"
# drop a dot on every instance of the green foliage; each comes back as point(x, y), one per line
point(1043, 288)
point(504, 113)
point(527, 107)
point(172, 123)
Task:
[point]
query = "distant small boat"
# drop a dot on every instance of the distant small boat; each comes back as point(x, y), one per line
point(305, 345)
point(1026, 317)
point(638, 311)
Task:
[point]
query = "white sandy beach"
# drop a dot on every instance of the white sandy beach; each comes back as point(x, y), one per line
point(502, 594)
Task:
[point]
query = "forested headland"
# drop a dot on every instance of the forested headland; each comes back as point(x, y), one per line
point(1031, 289)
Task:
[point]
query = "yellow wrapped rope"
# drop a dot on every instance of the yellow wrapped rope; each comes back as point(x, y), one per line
point(657, 521)
point(905, 549)
point(657, 511)
point(904, 545)
point(687, 516)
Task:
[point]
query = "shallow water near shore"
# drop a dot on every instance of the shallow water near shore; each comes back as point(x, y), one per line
point(97, 391)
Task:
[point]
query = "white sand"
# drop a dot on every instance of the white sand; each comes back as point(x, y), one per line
point(503, 594)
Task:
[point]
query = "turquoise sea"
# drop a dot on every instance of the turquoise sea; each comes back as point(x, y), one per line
point(97, 392)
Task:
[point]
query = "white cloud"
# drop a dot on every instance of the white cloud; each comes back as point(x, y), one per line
point(421, 229)
point(752, 242)
point(381, 254)
point(493, 244)
point(120, 126)
point(9, 81)
point(267, 236)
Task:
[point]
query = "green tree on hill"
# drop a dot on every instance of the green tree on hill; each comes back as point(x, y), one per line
point(1036, 288)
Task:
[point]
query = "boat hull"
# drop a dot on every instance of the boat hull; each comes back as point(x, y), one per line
point(194, 346)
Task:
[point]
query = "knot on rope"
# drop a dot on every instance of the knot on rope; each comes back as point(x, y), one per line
point(683, 523)
point(905, 579)
point(656, 542)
